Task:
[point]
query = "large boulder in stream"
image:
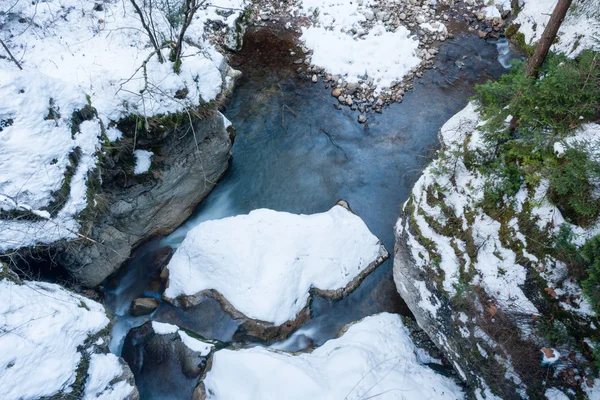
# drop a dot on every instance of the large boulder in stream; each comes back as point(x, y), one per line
point(187, 164)
point(166, 359)
point(53, 344)
point(373, 358)
point(485, 283)
point(263, 267)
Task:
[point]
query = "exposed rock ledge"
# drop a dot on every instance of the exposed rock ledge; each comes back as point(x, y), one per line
point(480, 285)
point(141, 206)
point(264, 267)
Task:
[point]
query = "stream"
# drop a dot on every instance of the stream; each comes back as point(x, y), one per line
point(295, 152)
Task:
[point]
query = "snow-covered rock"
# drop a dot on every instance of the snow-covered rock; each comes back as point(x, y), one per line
point(109, 378)
point(166, 360)
point(97, 59)
point(465, 274)
point(374, 357)
point(47, 337)
point(266, 264)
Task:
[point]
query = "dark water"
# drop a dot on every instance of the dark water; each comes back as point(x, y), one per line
point(304, 160)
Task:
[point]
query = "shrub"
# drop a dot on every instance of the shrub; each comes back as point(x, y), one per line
point(563, 98)
point(590, 253)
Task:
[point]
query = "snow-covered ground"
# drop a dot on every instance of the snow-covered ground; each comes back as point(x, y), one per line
point(266, 262)
point(43, 329)
point(374, 358)
point(342, 46)
point(580, 29)
point(76, 54)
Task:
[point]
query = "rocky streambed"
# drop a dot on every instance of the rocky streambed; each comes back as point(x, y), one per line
point(294, 152)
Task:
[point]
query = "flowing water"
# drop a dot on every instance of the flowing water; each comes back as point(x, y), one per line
point(295, 152)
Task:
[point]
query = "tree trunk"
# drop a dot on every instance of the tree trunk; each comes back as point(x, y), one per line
point(543, 45)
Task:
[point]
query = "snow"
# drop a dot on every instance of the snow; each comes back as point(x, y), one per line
point(103, 370)
point(163, 328)
point(375, 357)
point(342, 46)
point(143, 159)
point(74, 56)
point(555, 394)
point(194, 344)
point(384, 56)
point(264, 263)
point(580, 29)
point(41, 328)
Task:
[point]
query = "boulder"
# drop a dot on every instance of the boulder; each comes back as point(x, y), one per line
point(144, 306)
point(264, 267)
point(165, 359)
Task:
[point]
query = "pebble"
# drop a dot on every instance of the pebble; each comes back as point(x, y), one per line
point(362, 118)
point(314, 79)
point(337, 92)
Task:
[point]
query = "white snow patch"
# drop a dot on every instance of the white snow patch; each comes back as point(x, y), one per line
point(579, 30)
point(103, 369)
point(383, 56)
point(194, 344)
point(375, 357)
point(43, 326)
point(163, 328)
point(143, 160)
point(265, 263)
point(555, 394)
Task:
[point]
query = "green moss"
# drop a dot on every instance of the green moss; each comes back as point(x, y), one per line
point(87, 113)
point(61, 195)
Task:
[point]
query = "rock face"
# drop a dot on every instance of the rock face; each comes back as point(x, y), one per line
point(165, 359)
point(477, 281)
point(190, 163)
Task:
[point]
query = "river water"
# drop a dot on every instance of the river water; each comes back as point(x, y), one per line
point(303, 161)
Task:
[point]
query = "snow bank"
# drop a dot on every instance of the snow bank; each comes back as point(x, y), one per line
point(76, 54)
point(265, 263)
point(580, 29)
point(343, 45)
point(103, 379)
point(375, 357)
point(41, 328)
point(380, 55)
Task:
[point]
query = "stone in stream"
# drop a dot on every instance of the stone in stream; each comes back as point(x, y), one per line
point(144, 306)
point(337, 92)
point(265, 266)
point(362, 118)
point(374, 355)
point(165, 359)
